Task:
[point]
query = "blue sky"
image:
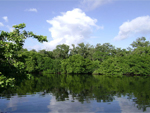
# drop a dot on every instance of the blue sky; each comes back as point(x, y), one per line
point(118, 22)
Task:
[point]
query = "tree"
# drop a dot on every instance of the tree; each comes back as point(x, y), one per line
point(73, 51)
point(61, 51)
point(85, 50)
point(140, 42)
point(139, 61)
point(113, 66)
point(82, 49)
point(10, 44)
point(77, 64)
point(102, 52)
point(31, 62)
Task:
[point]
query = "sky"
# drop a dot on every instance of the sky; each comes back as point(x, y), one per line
point(118, 22)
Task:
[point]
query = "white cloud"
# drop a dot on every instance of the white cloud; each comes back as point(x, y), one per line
point(10, 28)
point(1, 24)
point(72, 27)
point(32, 10)
point(139, 25)
point(93, 4)
point(5, 18)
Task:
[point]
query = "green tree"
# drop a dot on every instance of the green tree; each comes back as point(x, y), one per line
point(77, 64)
point(61, 51)
point(10, 44)
point(102, 52)
point(82, 49)
point(85, 50)
point(30, 63)
point(140, 42)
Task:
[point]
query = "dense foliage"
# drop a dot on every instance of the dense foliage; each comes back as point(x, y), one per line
point(12, 63)
point(102, 59)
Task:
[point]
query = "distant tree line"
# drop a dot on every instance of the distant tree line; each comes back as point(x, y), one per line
point(102, 59)
point(105, 59)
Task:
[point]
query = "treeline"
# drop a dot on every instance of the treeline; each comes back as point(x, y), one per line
point(105, 59)
point(102, 59)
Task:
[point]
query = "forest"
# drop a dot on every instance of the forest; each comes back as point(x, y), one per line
point(17, 63)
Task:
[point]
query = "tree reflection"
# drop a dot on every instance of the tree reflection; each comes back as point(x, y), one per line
point(85, 88)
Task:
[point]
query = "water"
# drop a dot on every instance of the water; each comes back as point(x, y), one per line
point(78, 93)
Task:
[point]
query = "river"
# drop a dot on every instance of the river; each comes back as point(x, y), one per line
point(78, 93)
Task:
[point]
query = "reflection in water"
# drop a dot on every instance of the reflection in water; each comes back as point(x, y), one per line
point(76, 106)
point(78, 93)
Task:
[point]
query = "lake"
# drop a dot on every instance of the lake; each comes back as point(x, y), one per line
point(78, 93)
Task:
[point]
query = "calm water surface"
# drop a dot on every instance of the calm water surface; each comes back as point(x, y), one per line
point(78, 93)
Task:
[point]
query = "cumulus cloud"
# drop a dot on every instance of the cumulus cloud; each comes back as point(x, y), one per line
point(31, 10)
point(1, 24)
point(5, 18)
point(72, 27)
point(139, 25)
point(93, 4)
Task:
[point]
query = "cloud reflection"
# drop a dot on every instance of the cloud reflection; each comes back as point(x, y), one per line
point(128, 106)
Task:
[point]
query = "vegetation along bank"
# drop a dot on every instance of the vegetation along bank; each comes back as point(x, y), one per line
point(16, 63)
